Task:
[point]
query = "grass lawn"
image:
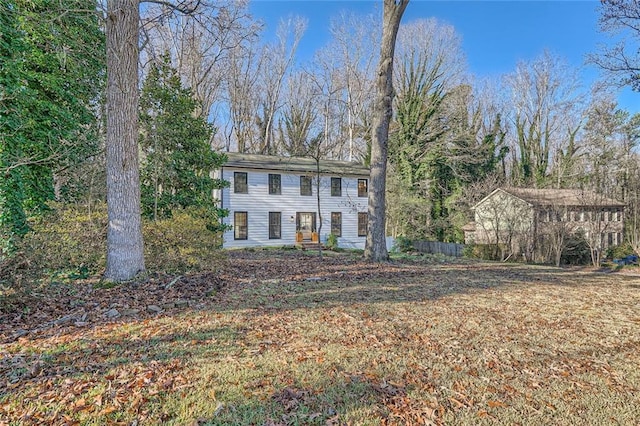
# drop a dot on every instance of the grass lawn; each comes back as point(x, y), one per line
point(294, 341)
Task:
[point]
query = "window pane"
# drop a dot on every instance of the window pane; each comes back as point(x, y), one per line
point(240, 226)
point(362, 224)
point(305, 185)
point(336, 187)
point(240, 183)
point(336, 224)
point(275, 225)
point(274, 184)
point(363, 187)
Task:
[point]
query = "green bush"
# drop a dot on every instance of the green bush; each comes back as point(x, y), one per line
point(469, 250)
point(402, 244)
point(576, 251)
point(69, 243)
point(64, 243)
point(181, 243)
point(72, 242)
point(620, 251)
point(67, 240)
point(332, 242)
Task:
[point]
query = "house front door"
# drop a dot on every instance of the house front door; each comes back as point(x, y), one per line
point(306, 224)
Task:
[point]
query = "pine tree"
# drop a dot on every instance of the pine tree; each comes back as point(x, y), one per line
point(176, 156)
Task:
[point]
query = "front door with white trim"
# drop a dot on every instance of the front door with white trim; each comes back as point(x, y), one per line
point(306, 224)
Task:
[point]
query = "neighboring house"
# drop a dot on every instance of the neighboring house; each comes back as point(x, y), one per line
point(530, 222)
point(272, 201)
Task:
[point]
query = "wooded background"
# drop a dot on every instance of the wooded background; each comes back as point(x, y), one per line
point(209, 79)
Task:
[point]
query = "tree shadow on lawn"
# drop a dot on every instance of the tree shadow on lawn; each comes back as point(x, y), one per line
point(156, 371)
point(392, 283)
point(158, 357)
point(147, 380)
point(281, 280)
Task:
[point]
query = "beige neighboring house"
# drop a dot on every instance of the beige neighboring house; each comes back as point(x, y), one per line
point(532, 223)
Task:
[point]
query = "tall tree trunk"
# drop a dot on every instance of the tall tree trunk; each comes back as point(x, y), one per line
point(125, 256)
point(376, 247)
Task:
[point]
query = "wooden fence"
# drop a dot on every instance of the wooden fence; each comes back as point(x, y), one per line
point(436, 247)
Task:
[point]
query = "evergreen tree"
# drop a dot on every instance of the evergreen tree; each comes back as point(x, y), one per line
point(176, 155)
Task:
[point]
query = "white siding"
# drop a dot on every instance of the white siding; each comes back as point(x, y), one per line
point(258, 203)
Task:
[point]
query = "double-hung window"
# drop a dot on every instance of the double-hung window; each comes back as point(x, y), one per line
point(363, 188)
point(275, 186)
point(275, 225)
point(363, 219)
point(240, 225)
point(306, 187)
point(240, 185)
point(336, 224)
point(336, 187)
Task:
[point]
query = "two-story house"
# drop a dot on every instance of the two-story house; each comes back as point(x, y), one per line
point(528, 220)
point(273, 201)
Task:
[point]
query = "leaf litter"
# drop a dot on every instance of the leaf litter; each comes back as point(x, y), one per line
point(280, 337)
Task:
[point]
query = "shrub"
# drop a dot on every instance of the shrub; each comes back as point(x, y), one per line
point(576, 251)
point(13, 276)
point(332, 241)
point(72, 241)
point(65, 242)
point(181, 243)
point(68, 239)
point(469, 250)
point(402, 244)
point(620, 251)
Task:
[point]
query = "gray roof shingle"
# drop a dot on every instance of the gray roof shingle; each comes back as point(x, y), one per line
point(562, 197)
point(293, 164)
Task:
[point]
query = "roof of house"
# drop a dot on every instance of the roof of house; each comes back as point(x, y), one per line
point(469, 227)
point(293, 164)
point(559, 197)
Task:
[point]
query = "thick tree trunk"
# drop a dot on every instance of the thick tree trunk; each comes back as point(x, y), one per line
point(376, 247)
point(124, 234)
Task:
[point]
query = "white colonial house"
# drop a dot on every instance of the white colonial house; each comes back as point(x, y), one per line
point(273, 201)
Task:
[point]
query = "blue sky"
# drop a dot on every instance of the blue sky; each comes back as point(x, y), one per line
point(495, 34)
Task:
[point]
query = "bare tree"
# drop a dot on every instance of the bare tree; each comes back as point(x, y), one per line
point(376, 247)
point(437, 46)
point(242, 97)
point(299, 116)
point(544, 96)
point(506, 223)
point(199, 44)
point(601, 144)
point(596, 229)
point(622, 61)
point(326, 86)
point(556, 231)
point(630, 176)
point(351, 52)
point(277, 61)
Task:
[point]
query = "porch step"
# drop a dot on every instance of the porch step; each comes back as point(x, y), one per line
point(308, 245)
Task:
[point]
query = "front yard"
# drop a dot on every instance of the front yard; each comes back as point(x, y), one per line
point(280, 338)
